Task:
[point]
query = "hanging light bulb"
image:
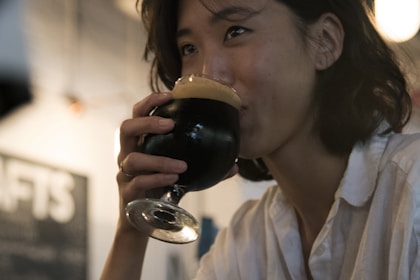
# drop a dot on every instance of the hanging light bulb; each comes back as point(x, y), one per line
point(398, 20)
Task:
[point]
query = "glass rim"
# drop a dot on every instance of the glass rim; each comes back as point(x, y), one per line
point(207, 77)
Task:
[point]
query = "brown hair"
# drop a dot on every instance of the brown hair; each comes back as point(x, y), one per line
point(364, 89)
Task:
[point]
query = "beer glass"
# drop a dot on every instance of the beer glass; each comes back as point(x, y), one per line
point(206, 136)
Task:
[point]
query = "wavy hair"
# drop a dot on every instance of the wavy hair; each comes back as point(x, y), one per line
point(362, 94)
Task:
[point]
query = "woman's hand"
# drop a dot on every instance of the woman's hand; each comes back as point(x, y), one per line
point(141, 173)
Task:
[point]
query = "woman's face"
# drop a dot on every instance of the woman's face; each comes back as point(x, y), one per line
point(265, 58)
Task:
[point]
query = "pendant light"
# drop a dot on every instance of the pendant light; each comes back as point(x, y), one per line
point(397, 20)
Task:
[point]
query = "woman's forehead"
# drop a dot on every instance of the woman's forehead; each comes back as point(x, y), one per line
point(229, 9)
point(216, 5)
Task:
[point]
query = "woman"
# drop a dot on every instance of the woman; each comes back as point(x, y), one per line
point(323, 104)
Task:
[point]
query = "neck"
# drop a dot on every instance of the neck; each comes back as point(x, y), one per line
point(309, 177)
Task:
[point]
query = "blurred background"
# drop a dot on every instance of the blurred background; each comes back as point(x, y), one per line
point(75, 69)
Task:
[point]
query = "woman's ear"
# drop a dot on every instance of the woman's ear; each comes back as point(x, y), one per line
point(329, 39)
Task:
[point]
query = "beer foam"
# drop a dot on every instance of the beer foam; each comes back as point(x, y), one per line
point(200, 87)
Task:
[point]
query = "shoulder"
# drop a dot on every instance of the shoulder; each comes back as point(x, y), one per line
point(400, 174)
point(402, 147)
point(402, 153)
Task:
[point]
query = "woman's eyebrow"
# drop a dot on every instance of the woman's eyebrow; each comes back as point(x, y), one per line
point(232, 13)
point(182, 32)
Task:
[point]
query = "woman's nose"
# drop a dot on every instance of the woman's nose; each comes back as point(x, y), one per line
point(217, 66)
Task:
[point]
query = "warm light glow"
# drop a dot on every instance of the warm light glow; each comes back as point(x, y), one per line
point(398, 20)
point(128, 7)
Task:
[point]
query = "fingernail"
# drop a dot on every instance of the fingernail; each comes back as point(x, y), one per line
point(180, 166)
point(165, 122)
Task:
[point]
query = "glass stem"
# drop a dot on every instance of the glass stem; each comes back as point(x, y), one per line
point(174, 195)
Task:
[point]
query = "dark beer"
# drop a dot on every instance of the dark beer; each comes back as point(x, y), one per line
point(206, 136)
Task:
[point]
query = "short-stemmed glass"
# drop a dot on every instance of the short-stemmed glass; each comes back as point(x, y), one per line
point(206, 136)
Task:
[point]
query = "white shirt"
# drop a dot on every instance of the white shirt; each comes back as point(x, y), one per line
point(372, 230)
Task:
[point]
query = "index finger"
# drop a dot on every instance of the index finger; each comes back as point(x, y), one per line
point(146, 105)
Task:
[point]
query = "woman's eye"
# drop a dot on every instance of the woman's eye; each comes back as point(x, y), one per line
point(235, 31)
point(187, 49)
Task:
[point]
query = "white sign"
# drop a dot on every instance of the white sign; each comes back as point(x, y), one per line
point(43, 221)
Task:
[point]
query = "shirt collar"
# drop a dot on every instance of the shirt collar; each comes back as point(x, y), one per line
point(359, 180)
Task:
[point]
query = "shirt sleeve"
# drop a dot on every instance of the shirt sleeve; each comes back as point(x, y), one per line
point(406, 262)
point(415, 240)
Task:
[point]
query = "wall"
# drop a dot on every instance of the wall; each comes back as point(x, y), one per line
point(47, 132)
point(81, 51)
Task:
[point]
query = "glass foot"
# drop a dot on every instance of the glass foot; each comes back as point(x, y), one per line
point(163, 221)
